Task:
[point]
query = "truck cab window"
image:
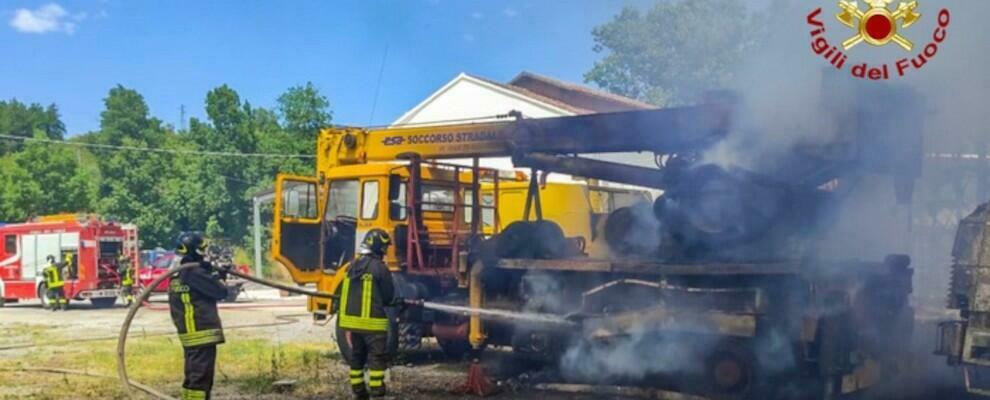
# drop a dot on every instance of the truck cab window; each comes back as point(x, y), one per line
point(341, 223)
point(10, 244)
point(397, 200)
point(369, 200)
point(299, 201)
point(342, 200)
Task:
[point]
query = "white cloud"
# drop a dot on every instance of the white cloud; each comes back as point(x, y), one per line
point(477, 15)
point(510, 12)
point(48, 18)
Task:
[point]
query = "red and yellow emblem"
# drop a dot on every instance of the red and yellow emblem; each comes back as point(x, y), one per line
point(878, 24)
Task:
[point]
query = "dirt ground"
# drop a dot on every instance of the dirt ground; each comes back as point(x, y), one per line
point(269, 339)
point(291, 348)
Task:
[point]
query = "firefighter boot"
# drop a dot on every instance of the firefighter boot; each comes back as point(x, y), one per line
point(376, 383)
point(357, 384)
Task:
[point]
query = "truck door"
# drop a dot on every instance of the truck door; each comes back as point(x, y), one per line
point(297, 227)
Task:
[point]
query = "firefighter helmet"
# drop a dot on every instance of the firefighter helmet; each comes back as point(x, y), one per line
point(190, 243)
point(376, 242)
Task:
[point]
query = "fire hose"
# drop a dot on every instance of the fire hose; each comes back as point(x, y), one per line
point(146, 293)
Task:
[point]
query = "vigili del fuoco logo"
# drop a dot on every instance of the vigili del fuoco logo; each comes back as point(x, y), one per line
point(878, 25)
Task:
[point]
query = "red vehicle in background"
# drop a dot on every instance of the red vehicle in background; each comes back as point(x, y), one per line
point(93, 245)
point(154, 263)
point(158, 262)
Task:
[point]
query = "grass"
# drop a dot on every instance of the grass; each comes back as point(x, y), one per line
point(245, 365)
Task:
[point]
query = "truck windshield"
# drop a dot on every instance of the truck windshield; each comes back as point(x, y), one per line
point(342, 200)
point(163, 262)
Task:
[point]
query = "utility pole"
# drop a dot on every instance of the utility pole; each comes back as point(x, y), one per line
point(182, 117)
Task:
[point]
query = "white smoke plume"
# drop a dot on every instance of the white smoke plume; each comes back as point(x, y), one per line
point(785, 103)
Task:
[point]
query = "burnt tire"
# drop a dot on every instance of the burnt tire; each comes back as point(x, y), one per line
point(731, 372)
point(103, 302)
point(533, 239)
point(515, 241)
point(633, 230)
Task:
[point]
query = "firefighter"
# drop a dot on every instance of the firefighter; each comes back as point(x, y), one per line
point(55, 285)
point(361, 317)
point(192, 296)
point(69, 265)
point(126, 268)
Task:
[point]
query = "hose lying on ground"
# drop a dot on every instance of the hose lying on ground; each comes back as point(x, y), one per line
point(146, 293)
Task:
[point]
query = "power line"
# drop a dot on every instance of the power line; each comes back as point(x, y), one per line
point(378, 85)
point(152, 149)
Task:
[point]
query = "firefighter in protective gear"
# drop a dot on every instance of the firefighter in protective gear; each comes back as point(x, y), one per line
point(361, 317)
point(70, 266)
point(55, 285)
point(192, 296)
point(126, 268)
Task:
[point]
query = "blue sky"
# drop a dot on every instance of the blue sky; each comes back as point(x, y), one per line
point(71, 52)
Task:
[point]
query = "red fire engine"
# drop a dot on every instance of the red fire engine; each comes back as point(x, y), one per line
point(95, 246)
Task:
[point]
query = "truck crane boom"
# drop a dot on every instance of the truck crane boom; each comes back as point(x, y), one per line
point(666, 131)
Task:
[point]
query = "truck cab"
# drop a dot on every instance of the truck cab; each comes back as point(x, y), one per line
point(428, 209)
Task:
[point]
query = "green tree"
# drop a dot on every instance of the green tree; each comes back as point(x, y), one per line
point(45, 179)
point(131, 185)
point(675, 51)
point(304, 110)
point(126, 116)
point(23, 120)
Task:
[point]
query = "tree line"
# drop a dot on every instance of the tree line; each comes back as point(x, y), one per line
point(163, 193)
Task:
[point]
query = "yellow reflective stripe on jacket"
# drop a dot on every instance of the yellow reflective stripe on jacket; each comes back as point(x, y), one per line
point(344, 295)
point(365, 321)
point(189, 313)
point(366, 296)
point(53, 279)
point(193, 394)
point(209, 336)
point(128, 278)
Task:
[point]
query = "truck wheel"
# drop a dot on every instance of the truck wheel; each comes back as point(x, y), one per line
point(103, 302)
point(43, 296)
point(731, 372)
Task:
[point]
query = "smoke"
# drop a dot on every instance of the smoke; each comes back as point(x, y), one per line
point(790, 99)
point(542, 292)
point(631, 358)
